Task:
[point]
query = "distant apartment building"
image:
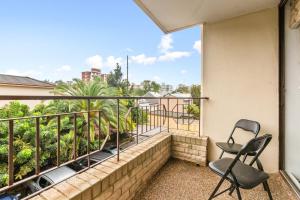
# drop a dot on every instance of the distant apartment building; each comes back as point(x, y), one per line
point(95, 72)
point(24, 86)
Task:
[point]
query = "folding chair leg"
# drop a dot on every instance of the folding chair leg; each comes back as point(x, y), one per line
point(266, 185)
point(217, 188)
point(260, 167)
point(232, 189)
point(238, 193)
point(221, 155)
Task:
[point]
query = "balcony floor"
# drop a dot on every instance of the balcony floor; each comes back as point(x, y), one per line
point(182, 180)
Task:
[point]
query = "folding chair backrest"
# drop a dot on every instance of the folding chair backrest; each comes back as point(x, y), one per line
point(256, 145)
point(248, 125)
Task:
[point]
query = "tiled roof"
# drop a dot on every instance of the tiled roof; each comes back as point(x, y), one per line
point(23, 81)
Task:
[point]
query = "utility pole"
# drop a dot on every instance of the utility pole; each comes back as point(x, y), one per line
point(127, 76)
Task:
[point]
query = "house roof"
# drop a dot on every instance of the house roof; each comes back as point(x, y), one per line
point(181, 95)
point(152, 94)
point(173, 15)
point(23, 81)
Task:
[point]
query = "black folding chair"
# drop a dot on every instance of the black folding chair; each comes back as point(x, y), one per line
point(239, 174)
point(230, 146)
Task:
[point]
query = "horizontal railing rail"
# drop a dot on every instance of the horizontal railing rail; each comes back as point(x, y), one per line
point(154, 118)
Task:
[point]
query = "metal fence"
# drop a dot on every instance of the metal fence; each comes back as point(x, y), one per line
point(155, 118)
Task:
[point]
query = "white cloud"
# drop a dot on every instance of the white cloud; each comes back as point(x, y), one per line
point(170, 56)
point(111, 61)
point(156, 78)
point(95, 61)
point(183, 71)
point(197, 46)
point(143, 59)
point(64, 68)
point(165, 43)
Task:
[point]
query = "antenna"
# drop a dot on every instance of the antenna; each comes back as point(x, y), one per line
point(127, 75)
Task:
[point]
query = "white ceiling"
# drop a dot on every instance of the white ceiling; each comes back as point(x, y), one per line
point(172, 15)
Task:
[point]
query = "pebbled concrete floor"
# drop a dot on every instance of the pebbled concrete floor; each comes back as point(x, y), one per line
point(180, 180)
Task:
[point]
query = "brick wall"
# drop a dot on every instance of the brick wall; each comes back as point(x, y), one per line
point(190, 148)
point(124, 179)
point(116, 180)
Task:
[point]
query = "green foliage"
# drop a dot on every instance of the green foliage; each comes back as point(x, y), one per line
point(114, 78)
point(194, 110)
point(25, 129)
point(150, 86)
point(183, 89)
point(196, 93)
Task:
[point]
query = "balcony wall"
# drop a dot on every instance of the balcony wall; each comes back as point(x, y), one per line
point(240, 75)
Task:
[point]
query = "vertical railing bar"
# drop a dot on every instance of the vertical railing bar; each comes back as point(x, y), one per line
point(150, 118)
point(118, 130)
point(142, 119)
point(99, 129)
point(160, 115)
point(157, 119)
point(58, 141)
point(137, 124)
point(131, 128)
point(183, 116)
point(168, 115)
point(154, 116)
point(146, 118)
point(75, 136)
point(188, 115)
point(177, 114)
point(200, 110)
point(89, 131)
point(37, 146)
point(10, 153)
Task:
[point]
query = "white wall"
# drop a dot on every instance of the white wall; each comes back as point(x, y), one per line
point(26, 91)
point(240, 76)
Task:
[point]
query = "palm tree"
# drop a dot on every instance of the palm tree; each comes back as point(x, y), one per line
point(107, 107)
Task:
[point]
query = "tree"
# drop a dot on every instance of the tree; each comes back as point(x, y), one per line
point(146, 85)
point(150, 86)
point(115, 77)
point(183, 88)
point(25, 129)
point(155, 87)
point(196, 93)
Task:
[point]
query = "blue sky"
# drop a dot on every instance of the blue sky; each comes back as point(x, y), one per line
point(57, 39)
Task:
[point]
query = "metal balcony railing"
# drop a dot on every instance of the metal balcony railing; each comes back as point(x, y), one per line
point(157, 115)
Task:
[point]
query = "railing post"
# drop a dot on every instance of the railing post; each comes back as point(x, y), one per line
point(150, 117)
point(75, 136)
point(118, 129)
point(154, 116)
point(177, 113)
point(160, 114)
point(183, 122)
point(89, 131)
point(146, 118)
point(157, 107)
point(37, 146)
point(10, 152)
point(168, 115)
point(199, 116)
point(142, 120)
point(188, 115)
point(58, 141)
point(137, 124)
point(99, 129)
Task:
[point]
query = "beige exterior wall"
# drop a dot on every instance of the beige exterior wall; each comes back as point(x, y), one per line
point(240, 76)
point(26, 91)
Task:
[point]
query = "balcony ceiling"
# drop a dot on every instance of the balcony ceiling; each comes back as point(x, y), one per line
point(173, 15)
